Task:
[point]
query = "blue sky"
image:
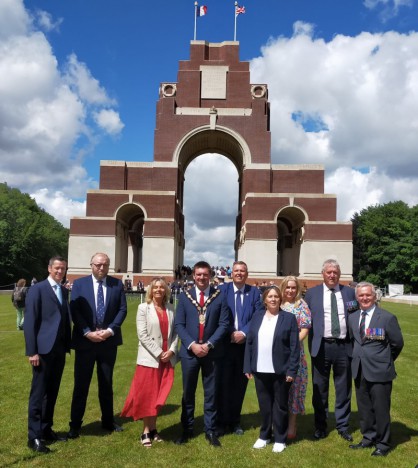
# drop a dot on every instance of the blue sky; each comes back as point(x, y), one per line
point(82, 77)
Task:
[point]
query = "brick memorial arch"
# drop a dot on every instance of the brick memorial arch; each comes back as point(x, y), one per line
point(285, 222)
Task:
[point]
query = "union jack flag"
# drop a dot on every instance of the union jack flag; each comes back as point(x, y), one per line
point(239, 10)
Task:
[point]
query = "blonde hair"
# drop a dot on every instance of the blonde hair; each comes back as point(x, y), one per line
point(284, 284)
point(149, 295)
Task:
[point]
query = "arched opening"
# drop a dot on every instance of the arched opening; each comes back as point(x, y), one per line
point(129, 239)
point(290, 223)
point(210, 210)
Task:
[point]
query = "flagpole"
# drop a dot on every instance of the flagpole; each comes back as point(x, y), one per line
point(235, 21)
point(195, 17)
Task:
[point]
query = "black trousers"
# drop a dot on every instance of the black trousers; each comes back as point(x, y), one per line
point(46, 380)
point(104, 358)
point(273, 397)
point(373, 402)
point(232, 385)
point(331, 356)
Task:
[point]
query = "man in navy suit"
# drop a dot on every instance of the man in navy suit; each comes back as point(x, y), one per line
point(378, 341)
point(202, 321)
point(243, 300)
point(330, 348)
point(98, 308)
point(47, 330)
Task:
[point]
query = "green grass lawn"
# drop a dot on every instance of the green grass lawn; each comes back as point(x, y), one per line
point(99, 449)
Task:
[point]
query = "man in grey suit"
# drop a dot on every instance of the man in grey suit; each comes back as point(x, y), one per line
point(377, 341)
point(330, 348)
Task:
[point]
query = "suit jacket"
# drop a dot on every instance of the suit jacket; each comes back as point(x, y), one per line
point(217, 323)
point(376, 356)
point(285, 350)
point(43, 316)
point(83, 311)
point(251, 303)
point(315, 299)
point(150, 337)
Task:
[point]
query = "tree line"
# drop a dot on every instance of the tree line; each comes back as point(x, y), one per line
point(29, 237)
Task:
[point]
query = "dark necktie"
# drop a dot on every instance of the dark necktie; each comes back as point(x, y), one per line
point(238, 309)
point(100, 309)
point(201, 325)
point(362, 329)
point(335, 323)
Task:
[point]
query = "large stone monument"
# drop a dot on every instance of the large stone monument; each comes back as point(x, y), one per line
point(285, 222)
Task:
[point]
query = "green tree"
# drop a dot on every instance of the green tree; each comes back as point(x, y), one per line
point(28, 237)
point(385, 239)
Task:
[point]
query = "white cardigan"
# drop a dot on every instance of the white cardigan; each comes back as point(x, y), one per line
point(150, 338)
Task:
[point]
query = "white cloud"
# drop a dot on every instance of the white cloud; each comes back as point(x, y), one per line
point(388, 8)
point(109, 120)
point(364, 89)
point(46, 21)
point(50, 114)
point(58, 205)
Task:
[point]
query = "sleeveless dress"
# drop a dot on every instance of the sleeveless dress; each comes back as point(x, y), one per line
point(150, 386)
point(297, 391)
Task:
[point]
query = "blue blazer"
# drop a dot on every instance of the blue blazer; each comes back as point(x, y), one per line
point(315, 299)
point(83, 311)
point(217, 323)
point(285, 350)
point(376, 356)
point(251, 303)
point(43, 314)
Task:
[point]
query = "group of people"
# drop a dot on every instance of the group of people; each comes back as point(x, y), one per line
point(229, 334)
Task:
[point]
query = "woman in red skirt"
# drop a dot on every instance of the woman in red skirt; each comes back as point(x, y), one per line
point(157, 352)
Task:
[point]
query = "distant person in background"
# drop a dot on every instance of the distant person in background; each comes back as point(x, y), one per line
point(272, 357)
point(34, 281)
point(18, 299)
point(291, 291)
point(47, 336)
point(156, 359)
point(377, 342)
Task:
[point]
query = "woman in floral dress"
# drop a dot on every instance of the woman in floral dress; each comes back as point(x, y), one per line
point(292, 302)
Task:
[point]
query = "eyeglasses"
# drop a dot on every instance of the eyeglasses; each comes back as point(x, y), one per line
point(100, 265)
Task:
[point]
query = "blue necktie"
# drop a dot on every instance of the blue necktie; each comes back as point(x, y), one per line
point(238, 309)
point(100, 308)
point(58, 292)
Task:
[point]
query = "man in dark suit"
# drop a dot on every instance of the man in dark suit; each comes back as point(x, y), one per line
point(330, 348)
point(98, 308)
point(377, 341)
point(47, 335)
point(202, 321)
point(243, 300)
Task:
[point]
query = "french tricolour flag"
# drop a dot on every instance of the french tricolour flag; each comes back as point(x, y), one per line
point(202, 10)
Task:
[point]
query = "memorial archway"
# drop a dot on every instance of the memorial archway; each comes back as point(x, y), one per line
point(285, 222)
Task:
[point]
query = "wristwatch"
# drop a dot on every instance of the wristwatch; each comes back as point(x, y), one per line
point(209, 345)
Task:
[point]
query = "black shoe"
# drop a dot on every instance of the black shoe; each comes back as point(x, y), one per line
point(221, 431)
point(37, 445)
point(237, 430)
point(73, 433)
point(213, 440)
point(51, 437)
point(380, 453)
point(346, 436)
point(360, 445)
point(112, 427)
point(319, 434)
point(184, 438)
